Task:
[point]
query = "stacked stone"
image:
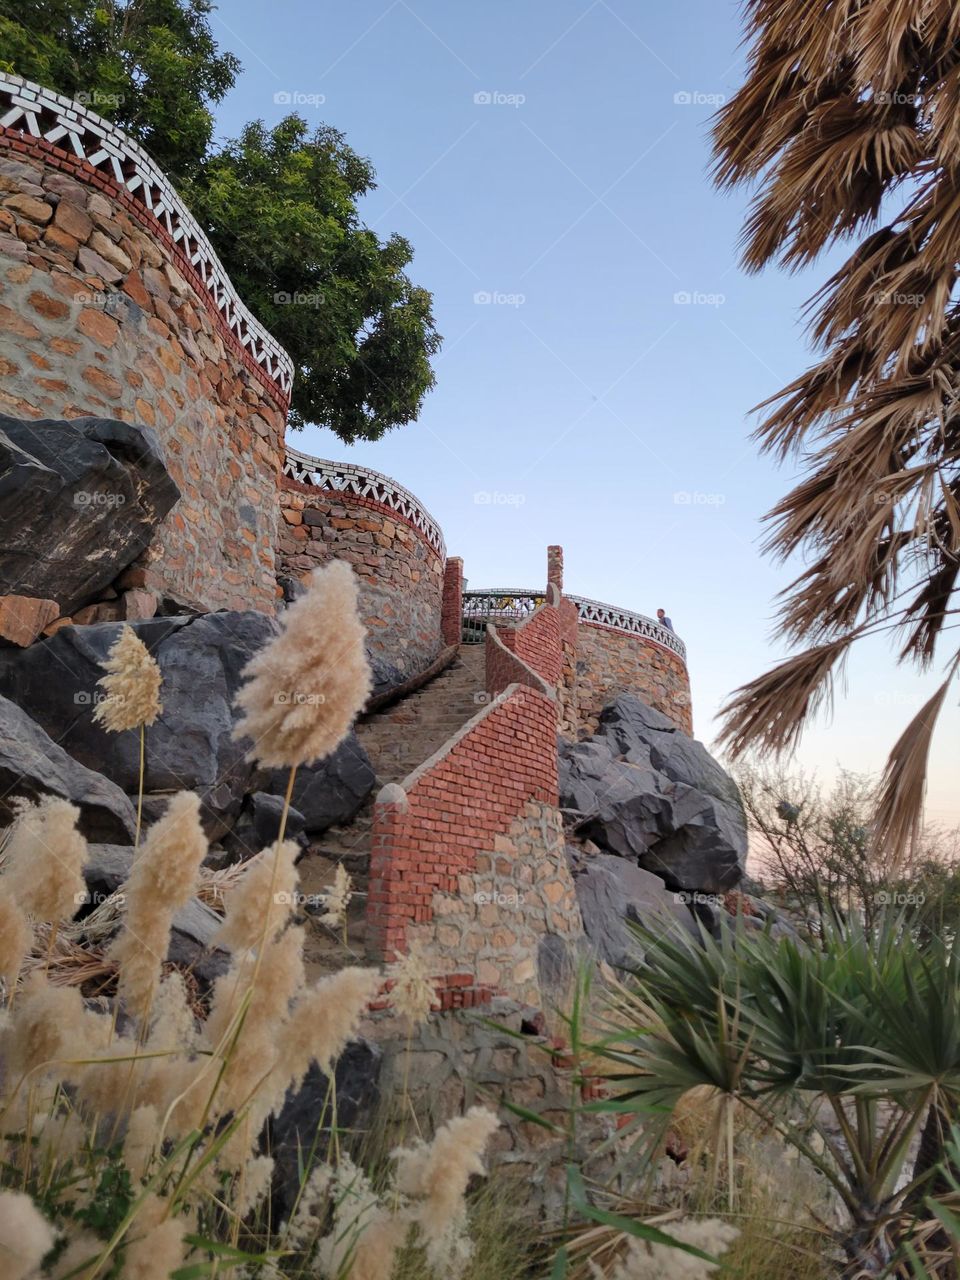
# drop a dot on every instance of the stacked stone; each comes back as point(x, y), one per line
point(102, 314)
point(401, 575)
point(518, 893)
point(610, 662)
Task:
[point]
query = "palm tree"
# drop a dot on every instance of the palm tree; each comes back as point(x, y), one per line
point(850, 107)
point(842, 1047)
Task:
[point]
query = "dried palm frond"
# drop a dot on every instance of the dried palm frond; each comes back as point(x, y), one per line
point(900, 805)
point(842, 104)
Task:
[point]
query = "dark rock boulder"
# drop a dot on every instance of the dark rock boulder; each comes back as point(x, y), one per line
point(190, 747)
point(33, 765)
point(259, 825)
point(642, 789)
point(304, 1123)
point(331, 791)
point(612, 892)
point(79, 501)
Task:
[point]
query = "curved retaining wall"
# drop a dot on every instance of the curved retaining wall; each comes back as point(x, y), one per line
point(612, 661)
point(113, 303)
point(330, 510)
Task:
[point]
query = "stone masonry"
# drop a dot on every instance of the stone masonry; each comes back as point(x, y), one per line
point(611, 662)
point(101, 313)
point(519, 892)
point(401, 575)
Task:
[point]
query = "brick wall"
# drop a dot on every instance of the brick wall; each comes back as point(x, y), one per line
point(451, 621)
point(428, 831)
point(102, 313)
point(401, 575)
point(611, 662)
point(537, 642)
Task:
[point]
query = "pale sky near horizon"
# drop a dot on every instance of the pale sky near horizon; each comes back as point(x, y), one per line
point(549, 162)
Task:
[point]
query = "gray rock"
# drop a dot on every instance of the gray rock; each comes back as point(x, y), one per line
point(333, 790)
point(190, 746)
point(259, 825)
point(33, 765)
point(303, 1125)
point(646, 791)
point(79, 501)
point(611, 893)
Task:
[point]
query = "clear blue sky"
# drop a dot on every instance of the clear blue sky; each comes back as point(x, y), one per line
point(583, 396)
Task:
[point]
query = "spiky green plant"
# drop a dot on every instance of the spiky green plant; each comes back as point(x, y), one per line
point(850, 1050)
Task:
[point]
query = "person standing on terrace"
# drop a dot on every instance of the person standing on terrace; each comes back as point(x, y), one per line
point(664, 620)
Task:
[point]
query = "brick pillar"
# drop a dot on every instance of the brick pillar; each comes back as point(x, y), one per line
point(555, 568)
point(388, 911)
point(451, 612)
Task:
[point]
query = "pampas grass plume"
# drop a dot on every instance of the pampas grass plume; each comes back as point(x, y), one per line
point(163, 879)
point(646, 1261)
point(25, 1236)
point(261, 901)
point(412, 990)
point(305, 688)
point(132, 685)
point(45, 859)
point(436, 1177)
point(337, 898)
point(16, 937)
point(325, 1019)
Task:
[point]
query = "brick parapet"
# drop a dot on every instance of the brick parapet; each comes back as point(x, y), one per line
point(428, 831)
point(451, 613)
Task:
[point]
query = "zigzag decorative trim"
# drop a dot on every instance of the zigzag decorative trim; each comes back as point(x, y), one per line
point(340, 477)
point(512, 602)
point(637, 624)
point(73, 128)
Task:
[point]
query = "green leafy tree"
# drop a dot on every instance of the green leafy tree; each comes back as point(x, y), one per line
point(279, 205)
point(152, 66)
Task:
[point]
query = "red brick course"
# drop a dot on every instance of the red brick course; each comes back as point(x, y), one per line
point(429, 833)
point(451, 615)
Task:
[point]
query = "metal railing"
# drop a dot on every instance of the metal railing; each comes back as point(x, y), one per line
point(502, 604)
point(511, 604)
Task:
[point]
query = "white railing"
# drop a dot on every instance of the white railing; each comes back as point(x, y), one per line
point(80, 132)
point(508, 603)
point(361, 482)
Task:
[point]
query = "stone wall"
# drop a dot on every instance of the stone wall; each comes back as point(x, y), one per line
point(611, 662)
point(401, 574)
point(455, 1060)
point(515, 915)
point(104, 312)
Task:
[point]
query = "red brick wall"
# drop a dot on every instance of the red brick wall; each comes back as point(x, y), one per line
point(451, 617)
point(430, 831)
point(537, 641)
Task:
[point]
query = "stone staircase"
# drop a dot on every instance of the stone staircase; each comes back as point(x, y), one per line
point(397, 740)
